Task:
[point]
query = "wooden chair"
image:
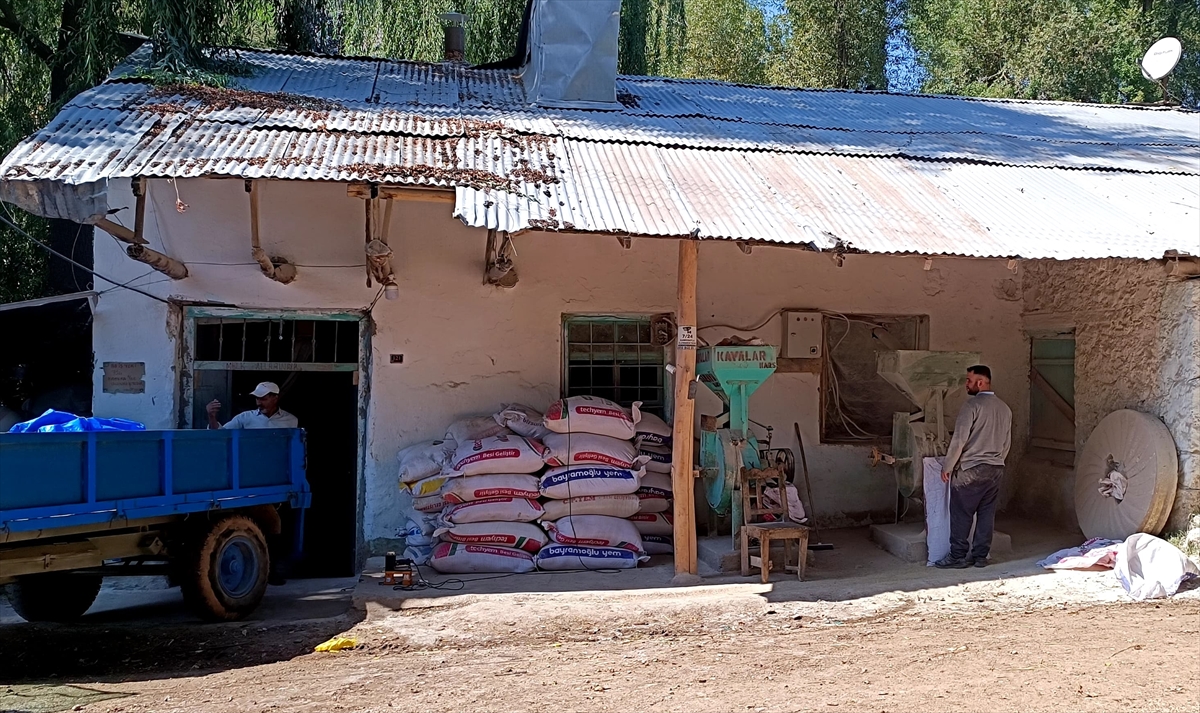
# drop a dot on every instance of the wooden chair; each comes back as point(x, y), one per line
point(754, 506)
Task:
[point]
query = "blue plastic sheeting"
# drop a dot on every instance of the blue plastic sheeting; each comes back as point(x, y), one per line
point(62, 422)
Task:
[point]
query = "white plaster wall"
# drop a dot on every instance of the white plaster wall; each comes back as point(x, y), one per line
point(1137, 346)
point(469, 347)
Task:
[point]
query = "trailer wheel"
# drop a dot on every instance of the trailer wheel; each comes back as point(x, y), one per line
point(55, 596)
point(224, 572)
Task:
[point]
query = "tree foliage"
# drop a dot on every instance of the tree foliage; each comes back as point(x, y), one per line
point(1081, 50)
point(830, 43)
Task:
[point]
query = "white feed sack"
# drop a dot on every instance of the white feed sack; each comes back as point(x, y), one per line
point(656, 462)
point(491, 485)
point(455, 558)
point(658, 544)
point(428, 486)
point(591, 414)
point(653, 433)
point(557, 558)
point(654, 495)
point(424, 460)
point(611, 505)
point(429, 504)
point(522, 420)
point(576, 448)
point(654, 523)
point(506, 453)
point(518, 535)
point(492, 510)
point(474, 428)
point(579, 480)
point(595, 531)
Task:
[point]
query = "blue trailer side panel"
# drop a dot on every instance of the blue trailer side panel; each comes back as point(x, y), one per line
point(52, 480)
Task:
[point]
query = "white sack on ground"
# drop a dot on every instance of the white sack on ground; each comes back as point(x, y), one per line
point(1152, 568)
point(937, 511)
point(492, 510)
point(595, 531)
point(654, 523)
point(658, 544)
point(1096, 552)
point(454, 558)
point(652, 432)
point(612, 505)
point(423, 460)
point(795, 507)
point(578, 448)
point(506, 453)
point(583, 480)
point(591, 414)
point(474, 428)
point(656, 462)
point(418, 554)
point(522, 420)
point(491, 485)
point(557, 557)
point(518, 535)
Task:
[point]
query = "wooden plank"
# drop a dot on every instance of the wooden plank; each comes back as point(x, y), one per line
point(139, 215)
point(1052, 395)
point(797, 366)
point(682, 458)
point(400, 193)
point(120, 232)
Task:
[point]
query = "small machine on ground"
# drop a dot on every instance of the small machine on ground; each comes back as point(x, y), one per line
point(727, 444)
point(925, 377)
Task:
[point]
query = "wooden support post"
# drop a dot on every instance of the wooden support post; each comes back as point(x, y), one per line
point(139, 211)
point(682, 458)
point(283, 273)
point(120, 232)
point(168, 266)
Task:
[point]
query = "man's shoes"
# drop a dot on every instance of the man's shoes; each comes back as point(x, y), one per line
point(981, 562)
point(949, 562)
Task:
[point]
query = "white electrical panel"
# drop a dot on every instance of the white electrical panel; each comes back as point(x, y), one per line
point(802, 336)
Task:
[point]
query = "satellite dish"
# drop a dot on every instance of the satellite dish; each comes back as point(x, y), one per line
point(1161, 58)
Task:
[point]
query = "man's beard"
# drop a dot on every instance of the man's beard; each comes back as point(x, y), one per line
point(973, 391)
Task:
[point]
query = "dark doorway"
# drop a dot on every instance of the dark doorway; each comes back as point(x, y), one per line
point(326, 404)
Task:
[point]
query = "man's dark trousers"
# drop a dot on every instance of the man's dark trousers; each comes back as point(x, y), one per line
point(973, 494)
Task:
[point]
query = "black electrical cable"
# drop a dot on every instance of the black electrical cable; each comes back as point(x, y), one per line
point(54, 252)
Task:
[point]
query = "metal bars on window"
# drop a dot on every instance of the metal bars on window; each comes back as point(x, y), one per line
point(613, 358)
point(276, 344)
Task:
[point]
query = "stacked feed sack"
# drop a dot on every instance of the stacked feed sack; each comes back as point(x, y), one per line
point(490, 506)
point(657, 530)
point(591, 485)
point(653, 439)
point(421, 481)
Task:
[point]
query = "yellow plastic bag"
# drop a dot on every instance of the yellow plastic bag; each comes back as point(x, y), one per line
point(337, 643)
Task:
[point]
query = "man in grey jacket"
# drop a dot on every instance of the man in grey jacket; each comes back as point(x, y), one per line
point(973, 466)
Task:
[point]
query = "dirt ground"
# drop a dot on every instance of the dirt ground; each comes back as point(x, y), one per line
point(1008, 637)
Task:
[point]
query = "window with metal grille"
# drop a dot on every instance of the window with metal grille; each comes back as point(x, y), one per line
point(613, 358)
point(276, 344)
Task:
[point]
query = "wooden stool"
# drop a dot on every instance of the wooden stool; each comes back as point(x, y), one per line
point(755, 505)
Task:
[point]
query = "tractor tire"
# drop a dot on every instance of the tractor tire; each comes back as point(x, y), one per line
point(224, 570)
point(56, 596)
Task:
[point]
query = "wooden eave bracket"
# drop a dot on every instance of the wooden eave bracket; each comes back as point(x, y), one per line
point(136, 244)
point(378, 252)
point(1182, 267)
point(278, 269)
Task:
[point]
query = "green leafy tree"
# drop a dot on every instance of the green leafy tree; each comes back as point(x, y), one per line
point(653, 36)
point(830, 43)
point(1081, 50)
point(726, 39)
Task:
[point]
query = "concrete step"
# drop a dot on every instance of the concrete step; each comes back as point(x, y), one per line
point(906, 540)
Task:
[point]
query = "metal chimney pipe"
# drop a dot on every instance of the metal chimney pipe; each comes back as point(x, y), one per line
point(454, 25)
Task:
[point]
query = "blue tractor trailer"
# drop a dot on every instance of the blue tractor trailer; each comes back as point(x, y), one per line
point(206, 508)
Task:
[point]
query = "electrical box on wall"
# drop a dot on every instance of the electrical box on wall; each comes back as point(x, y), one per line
point(802, 337)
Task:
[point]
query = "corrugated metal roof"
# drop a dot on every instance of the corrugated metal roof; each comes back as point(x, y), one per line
point(864, 171)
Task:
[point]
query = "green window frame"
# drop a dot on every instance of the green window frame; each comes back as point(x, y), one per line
point(612, 357)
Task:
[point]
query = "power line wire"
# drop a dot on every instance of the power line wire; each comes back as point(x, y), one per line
point(54, 252)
